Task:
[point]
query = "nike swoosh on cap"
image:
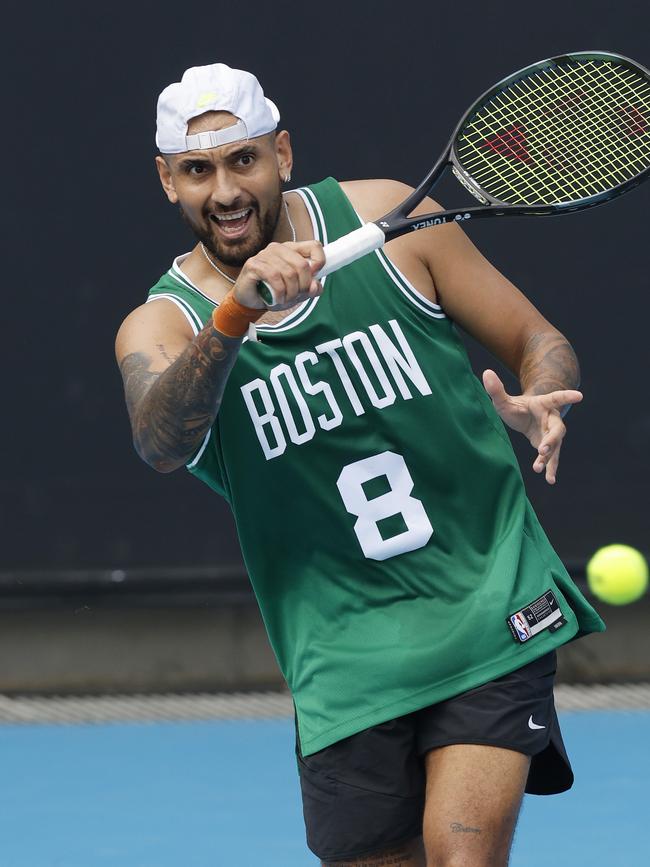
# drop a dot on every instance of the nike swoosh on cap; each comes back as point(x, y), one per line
point(532, 725)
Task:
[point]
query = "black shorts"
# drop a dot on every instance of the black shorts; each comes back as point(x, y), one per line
point(366, 792)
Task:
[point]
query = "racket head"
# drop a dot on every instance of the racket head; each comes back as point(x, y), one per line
point(562, 134)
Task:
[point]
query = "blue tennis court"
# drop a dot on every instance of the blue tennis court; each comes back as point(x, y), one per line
point(201, 794)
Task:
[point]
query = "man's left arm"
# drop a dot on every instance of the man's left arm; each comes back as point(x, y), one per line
point(448, 269)
point(539, 410)
point(490, 308)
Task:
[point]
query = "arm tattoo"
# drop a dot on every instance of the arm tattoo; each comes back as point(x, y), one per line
point(161, 349)
point(548, 364)
point(171, 412)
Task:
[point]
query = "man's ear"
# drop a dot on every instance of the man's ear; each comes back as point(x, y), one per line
point(284, 154)
point(166, 179)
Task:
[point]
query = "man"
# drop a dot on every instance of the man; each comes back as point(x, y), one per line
point(410, 595)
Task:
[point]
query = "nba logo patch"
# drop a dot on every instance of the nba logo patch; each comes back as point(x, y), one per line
point(520, 625)
point(531, 620)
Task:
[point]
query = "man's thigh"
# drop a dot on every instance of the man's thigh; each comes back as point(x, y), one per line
point(363, 797)
point(515, 712)
point(478, 748)
point(473, 797)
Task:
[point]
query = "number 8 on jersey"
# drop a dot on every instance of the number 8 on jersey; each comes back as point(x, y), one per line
point(396, 501)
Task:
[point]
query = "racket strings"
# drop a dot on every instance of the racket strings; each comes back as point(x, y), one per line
point(582, 151)
point(545, 137)
point(578, 147)
point(579, 151)
point(563, 133)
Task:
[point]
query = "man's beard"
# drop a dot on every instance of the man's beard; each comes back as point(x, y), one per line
point(237, 252)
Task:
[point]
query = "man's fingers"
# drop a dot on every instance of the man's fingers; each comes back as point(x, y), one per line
point(548, 451)
point(552, 436)
point(297, 270)
point(315, 255)
point(565, 397)
point(311, 251)
point(548, 461)
point(551, 467)
point(287, 269)
point(494, 387)
point(540, 462)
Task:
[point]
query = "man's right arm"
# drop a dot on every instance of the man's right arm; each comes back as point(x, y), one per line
point(173, 382)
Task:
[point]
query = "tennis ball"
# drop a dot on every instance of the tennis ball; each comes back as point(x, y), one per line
point(618, 574)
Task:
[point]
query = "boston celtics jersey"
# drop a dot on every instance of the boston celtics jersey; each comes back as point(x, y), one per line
point(380, 508)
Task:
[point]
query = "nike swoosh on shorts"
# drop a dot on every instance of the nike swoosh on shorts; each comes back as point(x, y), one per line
point(532, 725)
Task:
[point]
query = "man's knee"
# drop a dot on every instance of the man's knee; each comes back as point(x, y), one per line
point(458, 859)
point(489, 852)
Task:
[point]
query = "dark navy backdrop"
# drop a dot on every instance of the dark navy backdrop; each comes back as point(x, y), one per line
point(87, 231)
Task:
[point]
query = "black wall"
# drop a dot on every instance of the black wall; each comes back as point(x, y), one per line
point(367, 90)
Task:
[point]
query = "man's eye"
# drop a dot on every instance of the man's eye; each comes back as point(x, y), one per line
point(246, 160)
point(196, 169)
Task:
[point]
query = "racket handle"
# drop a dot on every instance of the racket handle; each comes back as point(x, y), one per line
point(338, 254)
point(351, 247)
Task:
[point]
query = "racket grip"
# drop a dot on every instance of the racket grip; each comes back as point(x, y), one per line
point(266, 293)
point(338, 254)
point(351, 247)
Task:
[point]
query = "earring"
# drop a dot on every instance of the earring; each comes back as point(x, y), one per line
point(286, 178)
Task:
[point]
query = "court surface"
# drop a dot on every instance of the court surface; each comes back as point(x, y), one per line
point(216, 793)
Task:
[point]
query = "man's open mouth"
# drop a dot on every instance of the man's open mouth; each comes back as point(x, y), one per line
point(234, 224)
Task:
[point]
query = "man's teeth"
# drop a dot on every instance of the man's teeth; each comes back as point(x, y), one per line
point(236, 216)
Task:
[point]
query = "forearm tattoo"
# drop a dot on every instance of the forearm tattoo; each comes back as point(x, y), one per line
point(548, 364)
point(171, 412)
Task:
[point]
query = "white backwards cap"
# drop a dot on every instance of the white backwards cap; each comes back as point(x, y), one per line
point(212, 88)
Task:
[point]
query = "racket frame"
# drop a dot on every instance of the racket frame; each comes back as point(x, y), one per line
point(396, 223)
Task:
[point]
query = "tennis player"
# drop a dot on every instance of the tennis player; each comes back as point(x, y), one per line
point(411, 597)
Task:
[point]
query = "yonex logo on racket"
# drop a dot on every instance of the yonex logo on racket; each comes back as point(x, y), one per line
point(436, 221)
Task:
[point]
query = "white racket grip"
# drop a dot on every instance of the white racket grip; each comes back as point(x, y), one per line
point(339, 253)
point(351, 247)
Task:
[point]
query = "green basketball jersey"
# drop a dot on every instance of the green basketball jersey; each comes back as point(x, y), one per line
point(379, 505)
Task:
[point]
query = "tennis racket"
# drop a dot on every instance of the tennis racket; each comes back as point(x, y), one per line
point(564, 134)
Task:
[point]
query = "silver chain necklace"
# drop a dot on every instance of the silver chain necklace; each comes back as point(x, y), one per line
point(227, 276)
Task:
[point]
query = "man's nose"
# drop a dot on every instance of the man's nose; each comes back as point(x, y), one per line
point(225, 190)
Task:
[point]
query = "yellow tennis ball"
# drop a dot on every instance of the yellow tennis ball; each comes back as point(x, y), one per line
point(618, 574)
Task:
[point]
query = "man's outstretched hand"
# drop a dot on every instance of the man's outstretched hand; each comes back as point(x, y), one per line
point(537, 416)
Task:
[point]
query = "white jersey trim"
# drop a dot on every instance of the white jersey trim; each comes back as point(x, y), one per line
point(408, 290)
point(430, 307)
point(195, 323)
point(197, 457)
point(175, 271)
point(302, 312)
point(313, 205)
